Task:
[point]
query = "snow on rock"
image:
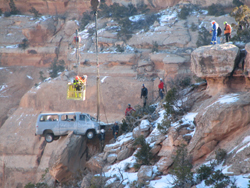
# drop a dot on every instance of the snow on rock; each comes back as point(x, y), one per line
point(142, 129)
point(120, 141)
point(119, 168)
point(29, 77)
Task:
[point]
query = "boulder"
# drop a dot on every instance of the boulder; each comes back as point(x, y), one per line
point(142, 129)
point(145, 173)
point(220, 117)
point(111, 158)
point(168, 144)
point(124, 154)
point(95, 164)
point(155, 149)
point(214, 60)
point(66, 160)
point(164, 163)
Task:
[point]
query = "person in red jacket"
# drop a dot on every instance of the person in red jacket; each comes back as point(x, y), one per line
point(129, 110)
point(161, 88)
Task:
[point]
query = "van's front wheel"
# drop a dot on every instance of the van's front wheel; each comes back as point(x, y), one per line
point(49, 137)
point(90, 134)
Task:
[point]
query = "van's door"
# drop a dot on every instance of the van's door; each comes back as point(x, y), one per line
point(68, 123)
point(84, 124)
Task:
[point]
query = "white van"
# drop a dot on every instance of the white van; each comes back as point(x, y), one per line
point(53, 125)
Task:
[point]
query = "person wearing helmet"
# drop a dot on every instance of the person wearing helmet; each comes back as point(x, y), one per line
point(129, 110)
point(144, 95)
point(115, 129)
point(161, 88)
point(214, 32)
point(227, 31)
point(102, 139)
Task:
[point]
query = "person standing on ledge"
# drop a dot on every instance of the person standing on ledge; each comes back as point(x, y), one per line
point(161, 88)
point(227, 31)
point(144, 95)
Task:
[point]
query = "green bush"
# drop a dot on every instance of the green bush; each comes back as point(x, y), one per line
point(218, 180)
point(119, 48)
point(35, 12)
point(55, 67)
point(237, 3)
point(13, 9)
point(220, 155)
point(24, 44)
point(125, 32)
point(204, 172)
point(170, 99)
point(38, 185)
point(143, 155)
point(155, 47)
point(7, 14)
point(184, 13)
point(204, 37)
point(194, 27)
point(86, 18)
point(181, 168)
point(1, 12)
point(216, 10)
point(42, 78)
point(165, 125)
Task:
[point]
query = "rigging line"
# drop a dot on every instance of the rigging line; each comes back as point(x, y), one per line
point(103, 106)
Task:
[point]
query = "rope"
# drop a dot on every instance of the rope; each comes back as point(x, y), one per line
point(103, 107)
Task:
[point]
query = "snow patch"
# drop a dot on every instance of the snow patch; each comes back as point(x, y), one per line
point(29, 77)
point(102, 80)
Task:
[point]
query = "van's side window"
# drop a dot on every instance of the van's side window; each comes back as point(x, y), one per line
point(68, 117)
point(49, 118)
point(83, 117)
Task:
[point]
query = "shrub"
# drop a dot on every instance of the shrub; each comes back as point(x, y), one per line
point(119, 48)
point(204, 172)
point(38, 185)
point(155, 47)
point(237, 3)
point(204, 37)
point(182, 167)
point(125, 31)
point(35, 12)
point(218, 180)
point(42, 78)
point(220, 155)
point(130, 122)
point(194, 27)
point(13, 9)
point(184, 13)
point(1, 12)
point(170, 99)
point(241, 15)
point(216, 10)
point(55, 67)
point(86, 18)
point(164, 126)
point(7, 14)
point(143, 155)
point(24, 44)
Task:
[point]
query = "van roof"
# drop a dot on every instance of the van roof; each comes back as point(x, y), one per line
point(60, 113)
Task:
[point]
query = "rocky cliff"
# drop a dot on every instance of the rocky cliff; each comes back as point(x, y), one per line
point(220, 107)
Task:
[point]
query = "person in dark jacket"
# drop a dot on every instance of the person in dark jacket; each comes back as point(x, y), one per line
point(102, 139)
point(115, 129)
point(144, 95)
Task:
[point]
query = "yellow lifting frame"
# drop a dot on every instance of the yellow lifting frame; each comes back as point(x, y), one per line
point(73, 94)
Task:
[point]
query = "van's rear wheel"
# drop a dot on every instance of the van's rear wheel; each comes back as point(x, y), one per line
point(90, 134)
point(49, 137)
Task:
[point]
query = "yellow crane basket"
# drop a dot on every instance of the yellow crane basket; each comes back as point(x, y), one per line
point(77, 89)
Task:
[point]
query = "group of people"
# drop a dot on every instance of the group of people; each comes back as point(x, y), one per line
point(217, 32)
point(130, 109)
